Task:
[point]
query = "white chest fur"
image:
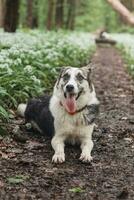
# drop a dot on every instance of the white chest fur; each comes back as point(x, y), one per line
point(71, 127)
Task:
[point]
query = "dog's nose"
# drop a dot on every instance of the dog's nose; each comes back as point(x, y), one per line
point(69, 88)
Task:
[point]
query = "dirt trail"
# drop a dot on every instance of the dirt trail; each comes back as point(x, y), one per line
point(111, 174)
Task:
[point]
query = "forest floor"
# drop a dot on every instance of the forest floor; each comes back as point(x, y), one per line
point(26, 171)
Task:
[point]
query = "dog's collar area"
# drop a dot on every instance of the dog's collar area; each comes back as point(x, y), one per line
point(77, 111)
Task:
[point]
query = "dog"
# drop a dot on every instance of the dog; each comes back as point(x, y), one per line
point(69, 114)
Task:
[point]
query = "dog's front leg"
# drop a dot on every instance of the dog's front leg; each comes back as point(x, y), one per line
point(58, 146)
point(86, 143)
point(86, 147)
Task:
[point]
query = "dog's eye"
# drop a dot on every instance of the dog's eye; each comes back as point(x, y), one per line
point(80, 77)
point(66, 77)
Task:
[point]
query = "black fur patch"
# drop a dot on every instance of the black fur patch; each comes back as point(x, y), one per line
point(62, 72)
point(93, 111)
point(38, 111)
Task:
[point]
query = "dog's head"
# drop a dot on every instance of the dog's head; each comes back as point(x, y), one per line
point(73, 87)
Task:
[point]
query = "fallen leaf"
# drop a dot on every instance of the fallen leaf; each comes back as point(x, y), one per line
point(11, 114)
point(123, 194)
point(1, 184)
point(16, 129)
point(128, 139)
point(15, 150)
point(26, 161)
point(4, 155)
point(124, 118)
point(11, 155)
point(34, 145)
point(20, 138)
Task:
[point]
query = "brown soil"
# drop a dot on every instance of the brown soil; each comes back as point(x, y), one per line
point(111, 174)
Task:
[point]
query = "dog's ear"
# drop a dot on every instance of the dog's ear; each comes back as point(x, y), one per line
point(87, 70)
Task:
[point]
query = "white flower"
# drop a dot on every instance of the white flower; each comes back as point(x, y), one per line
point(28, 69)
point(9, 71)
point(35, 79)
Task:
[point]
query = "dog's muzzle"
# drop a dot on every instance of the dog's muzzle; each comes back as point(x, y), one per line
point(70, 88)
point(71, 96)
point(69, 91)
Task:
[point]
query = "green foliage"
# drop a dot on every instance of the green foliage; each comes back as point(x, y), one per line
point(126, 29)
point(42, 8)
point(17, 179)
point(76, 190)
point(22, 13)
point(89, 16)
point(111, 18)
point(126, 44)
point(93, 15)
point(128, 59)
point(3, 131)
point(29, 63)
point(3, 113)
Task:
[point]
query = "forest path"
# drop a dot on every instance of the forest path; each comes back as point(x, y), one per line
point(111, 174)
point(115, 89)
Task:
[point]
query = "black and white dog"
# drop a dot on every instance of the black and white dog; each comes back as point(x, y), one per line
point(68, 115)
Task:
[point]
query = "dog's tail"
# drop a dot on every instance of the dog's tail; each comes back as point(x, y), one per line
point(21, 109)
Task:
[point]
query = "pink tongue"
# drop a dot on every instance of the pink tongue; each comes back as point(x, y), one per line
point(70, 104)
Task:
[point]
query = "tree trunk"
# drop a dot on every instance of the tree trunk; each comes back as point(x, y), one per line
point(123, 11)
point(71, 14)
point(29, 19)
point(50, 14)
point(11, 15)
point(129, 5)
point(59, 15)
point(32, 16)
point(2, 10)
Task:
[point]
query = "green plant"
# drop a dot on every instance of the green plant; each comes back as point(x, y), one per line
point(17, 179)
point(76, 190)
point(125, 45)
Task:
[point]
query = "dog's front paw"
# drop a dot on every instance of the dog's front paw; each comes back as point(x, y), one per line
point(86, 158)
point(58, 158)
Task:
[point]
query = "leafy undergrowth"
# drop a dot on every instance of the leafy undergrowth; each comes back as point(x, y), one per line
point(129, 60)
point(29, 63)
point(126, 46)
